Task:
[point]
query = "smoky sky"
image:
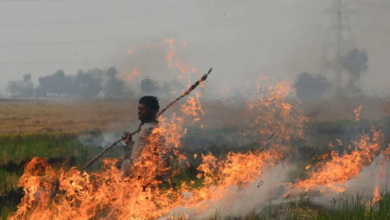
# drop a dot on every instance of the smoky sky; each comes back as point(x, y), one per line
point(239, 39)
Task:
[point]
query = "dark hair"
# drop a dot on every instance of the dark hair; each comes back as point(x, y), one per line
point(151, 102)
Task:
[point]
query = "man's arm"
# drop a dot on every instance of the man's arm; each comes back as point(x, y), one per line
point(129, 144)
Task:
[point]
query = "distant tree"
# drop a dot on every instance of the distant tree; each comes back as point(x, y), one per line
point(149, 86)
point(57, 83)
point(310, 86)
point(14, 87)
point(88, 84)
point(114, 85)
point(22, 88)
point(355, 62)
point(28, 86)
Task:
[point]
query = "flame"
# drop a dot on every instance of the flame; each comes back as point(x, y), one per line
point(357, 113)
point(376, 195)
point(131, 50)
point(331, 175)
point(192, 107)
point(171, 52)
point(181, 67)
point(132, 75)
point(173, 57)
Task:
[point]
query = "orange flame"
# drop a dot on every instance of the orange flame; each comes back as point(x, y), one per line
point(376, 195)
point(132, 75)
point(332, 174)
point(357, 113)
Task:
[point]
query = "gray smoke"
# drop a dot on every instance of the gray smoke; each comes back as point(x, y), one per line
point(239, 202)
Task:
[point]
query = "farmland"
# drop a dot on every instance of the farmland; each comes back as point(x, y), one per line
point(57, 130)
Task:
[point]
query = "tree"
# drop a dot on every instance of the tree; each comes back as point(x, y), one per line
point(22, 88)
point(309, 86)
point(28, 86)
point(149, 86)
point(58, 83)
point(114, 86)
point(355, 62)
point(14, 87)
point(88, 84)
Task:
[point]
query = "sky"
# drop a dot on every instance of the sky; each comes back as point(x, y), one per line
point(239, 39)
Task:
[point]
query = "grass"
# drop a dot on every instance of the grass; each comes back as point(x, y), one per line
point(65, 116)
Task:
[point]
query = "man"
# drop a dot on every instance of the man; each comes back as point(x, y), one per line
point(147, 110)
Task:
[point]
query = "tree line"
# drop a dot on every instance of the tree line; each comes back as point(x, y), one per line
point(107, 83)
point(90, 84)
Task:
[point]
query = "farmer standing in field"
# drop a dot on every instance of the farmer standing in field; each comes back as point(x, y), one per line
point(147, 110)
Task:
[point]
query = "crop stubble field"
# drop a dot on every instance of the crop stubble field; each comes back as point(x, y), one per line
point(51, 129)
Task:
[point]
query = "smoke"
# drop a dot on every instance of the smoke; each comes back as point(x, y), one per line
point(102, 140)
point(271, 186)
point(355, 63)
point(238, 201)
point(363, 185)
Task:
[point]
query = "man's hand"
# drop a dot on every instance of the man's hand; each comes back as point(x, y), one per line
point(127, 138)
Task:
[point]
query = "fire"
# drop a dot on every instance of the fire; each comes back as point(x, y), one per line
point(171, 51)
point(192, 107)
point(331, 175)
point(132, 75)
point(131, 50)
point(172, 48)
point(107, 194)
point(357, 113)
point(376, 195)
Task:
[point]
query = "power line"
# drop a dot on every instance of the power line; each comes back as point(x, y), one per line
point(248, 44)
point(127, 15)
point(239, 21)
point(50, 43)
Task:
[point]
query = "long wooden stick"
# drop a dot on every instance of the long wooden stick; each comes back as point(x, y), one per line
point(192, 87)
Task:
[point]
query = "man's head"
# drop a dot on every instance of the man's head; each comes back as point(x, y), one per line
point(148, 108)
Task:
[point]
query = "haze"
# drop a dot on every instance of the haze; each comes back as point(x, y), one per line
point(239, 39)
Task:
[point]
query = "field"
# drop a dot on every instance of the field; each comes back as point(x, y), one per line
point(59, 130)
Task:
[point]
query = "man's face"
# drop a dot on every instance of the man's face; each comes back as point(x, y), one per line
point(145, 113)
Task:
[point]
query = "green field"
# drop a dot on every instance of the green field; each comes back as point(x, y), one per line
point(62, 149)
